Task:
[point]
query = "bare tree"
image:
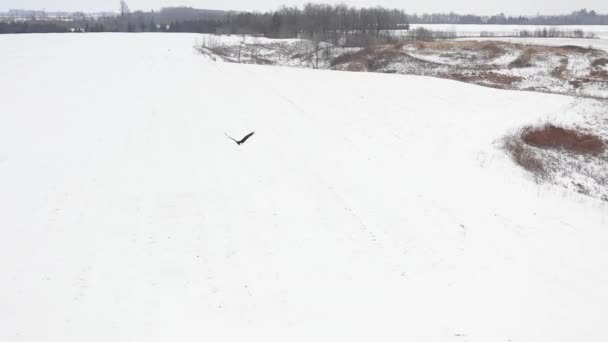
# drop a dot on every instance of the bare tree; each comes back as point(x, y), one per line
point(125, 14)
point(124, 8)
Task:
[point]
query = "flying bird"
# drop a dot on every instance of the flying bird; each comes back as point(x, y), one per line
point(239, 142)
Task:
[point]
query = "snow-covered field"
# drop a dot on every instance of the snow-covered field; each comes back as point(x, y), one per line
point(367, 207)
point(600, 31)
point(474, 31)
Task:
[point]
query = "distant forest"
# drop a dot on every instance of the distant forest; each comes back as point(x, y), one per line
point(582, 17)
point(318, 21)
point(311, 20)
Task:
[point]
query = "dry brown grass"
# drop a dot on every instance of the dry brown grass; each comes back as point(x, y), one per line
point(600, 62)
point(560, 71)
point(525, 157)
point(523, 147)
point(262, 61)
point(554, 137)
point(478, 64)
point(356, 66)
point(360, 57)
point(400, 45)
point(491, 48)
point(602, 75)
point(369, 59)
point(525, 58)
point(495, 49)
point(570, 158)
point(577, 49)
point(486, 77)
point(531, 51)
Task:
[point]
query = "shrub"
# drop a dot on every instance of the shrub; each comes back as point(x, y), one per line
point(361, 56)
point(525, 157)
point(524, 59)
point(600, 62)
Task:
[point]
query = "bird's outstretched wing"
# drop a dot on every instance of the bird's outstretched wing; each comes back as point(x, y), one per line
point(245, 138)
point(232, 138)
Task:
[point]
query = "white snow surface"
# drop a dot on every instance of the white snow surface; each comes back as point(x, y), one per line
point(473, 32)
point(600, 31)
point(367, 207)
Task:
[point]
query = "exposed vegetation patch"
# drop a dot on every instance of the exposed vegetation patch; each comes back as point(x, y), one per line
point(570, 157)
point(488, 78)
point(360, 58)
point(568, 70)
point(560, 71)
point(493, 48)
point(600, 62)
point(526, 157)
point(369, 59)
point(554, 137)
point(601, 75)
point(574, 48)
point(524, 60)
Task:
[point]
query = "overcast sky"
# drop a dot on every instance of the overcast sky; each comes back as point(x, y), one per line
point(461, 6)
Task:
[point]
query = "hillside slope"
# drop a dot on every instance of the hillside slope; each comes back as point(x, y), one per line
point(367, 207)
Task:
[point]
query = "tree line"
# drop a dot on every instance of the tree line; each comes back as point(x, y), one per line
point(331, 23)
point(30, 27)
point(315, 21)
point(582, 17)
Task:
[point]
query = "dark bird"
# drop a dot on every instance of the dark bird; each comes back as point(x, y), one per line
point(242, 141)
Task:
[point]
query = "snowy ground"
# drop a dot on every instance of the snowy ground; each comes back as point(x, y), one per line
point(562, 69)
point(474, 31)
point(600, 44)
point(600, 31)
point(367, 207)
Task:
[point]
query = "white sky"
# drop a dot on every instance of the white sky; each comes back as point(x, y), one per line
point(460, 6)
